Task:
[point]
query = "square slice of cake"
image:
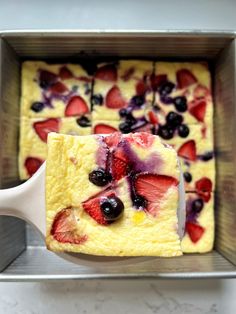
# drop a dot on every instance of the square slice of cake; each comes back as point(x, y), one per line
point(185, 88)
point(122, 90)
point(199, 228)
point(33, 139)
point(114, 195)
point(54, 90)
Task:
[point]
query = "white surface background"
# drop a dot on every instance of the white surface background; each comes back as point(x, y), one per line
point(202, 296)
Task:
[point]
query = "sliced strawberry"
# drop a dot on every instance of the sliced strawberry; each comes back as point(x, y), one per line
point(198, 110)
point(188, 150)
point(76, 107)
point(46, 78)
point(128, 73)
point(58, 88)
point(103, 129)
point(201, 91)
point(142, 139)
point(64, 228)
point(153, 188)
point(141, 88)
point(194, 231)
point(152, 117)
point(32, 164)
point(157, 80)
point(107, 73)
point(114, 98)
point(204, 188)
point(185, 78)
point(65, 73)
point(42, 128)
point(113, 139)
point(119, 164)
point(93, 209)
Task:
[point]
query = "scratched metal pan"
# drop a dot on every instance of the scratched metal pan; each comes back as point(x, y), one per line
point(23, 256)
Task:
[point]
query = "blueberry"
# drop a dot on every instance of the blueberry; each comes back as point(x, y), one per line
point(187, 177)
point(125, 127)
point(112, 208)
point(100, 177)
point(139, 202)
point(123, 112)
point(181, 103)
point(130, 119)
point(197, 205)
point(46, 78)
point(83, 121)
point(207, 156)
point(166, 100)
point(166, 88)
point(183, 130)
point(37, 106)
point(174, 119)
point(165, 132)
point(97, 100)
point(138, 100)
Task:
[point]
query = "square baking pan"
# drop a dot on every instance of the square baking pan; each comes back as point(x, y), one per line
point(23, 255)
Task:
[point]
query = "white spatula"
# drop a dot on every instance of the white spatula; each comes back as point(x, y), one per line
point(27, 201)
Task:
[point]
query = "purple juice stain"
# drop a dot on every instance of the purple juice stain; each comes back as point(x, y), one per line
point(191, 213)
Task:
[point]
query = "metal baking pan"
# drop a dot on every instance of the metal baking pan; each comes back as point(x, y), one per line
point(22, 253)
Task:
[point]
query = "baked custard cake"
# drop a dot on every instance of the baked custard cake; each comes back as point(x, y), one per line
point(114, 195)
point(122, 90)
point(33, 139)
point(54, 90)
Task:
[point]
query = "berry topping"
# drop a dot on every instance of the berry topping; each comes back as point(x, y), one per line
point(58, 88)
point(130, 119)
point(64, 228)
point(166, 100)
point(166, 88)
point(93, 208)
point(185, 78)
point(174, 119)
point(103, 129)
point(153, 189)
point(152, 117)
point(123, 112)
point(119, 164)
point(46, 79)
point(112, 208)
point(187, 177)
point(157, 80)
point(194, 231)
point(42, 128)
point(198, 110)
point(207, 156)
point(65, 73)
point(141, 88)
point(201, 92)
point(114, 98)
point(97, 100)
point(139, 202)
point(142, 139)
point(113, 139)
point(128, 74)
point(107, 73)
point(76, 106)
point(32, 164)
point(204, 188)
point(37, 106)
point(183, 130)
point(165, 132)
point(197, 205)
point(83, 121)
point(125, 127)
point(180, 103)
point(138, 100)
point(100, 177)
point(188, 150)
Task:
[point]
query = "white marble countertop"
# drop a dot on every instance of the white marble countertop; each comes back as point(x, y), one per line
point(125, 297)
point(201, 296)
